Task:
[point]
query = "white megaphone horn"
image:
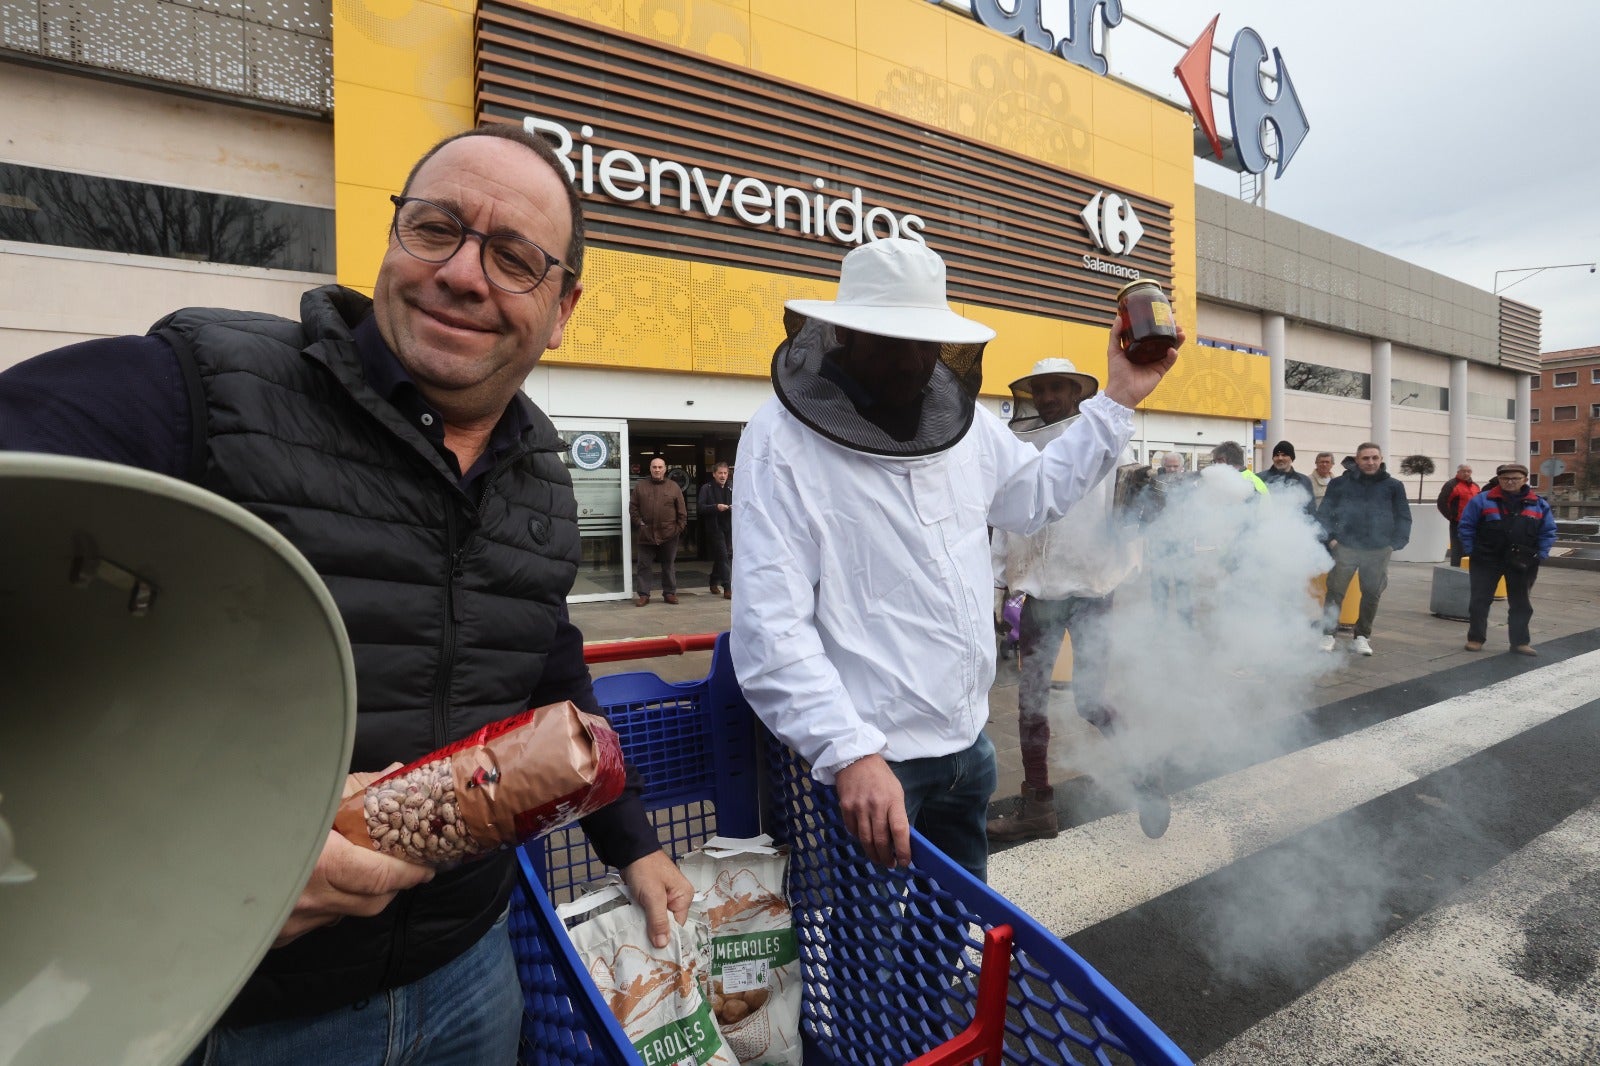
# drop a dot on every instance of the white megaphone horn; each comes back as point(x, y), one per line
point(177, 706)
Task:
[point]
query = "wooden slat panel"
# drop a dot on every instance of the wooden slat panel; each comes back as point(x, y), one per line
point(1008, 225)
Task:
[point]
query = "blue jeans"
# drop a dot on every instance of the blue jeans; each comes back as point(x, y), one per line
point(466, 1013)
point(947, 801)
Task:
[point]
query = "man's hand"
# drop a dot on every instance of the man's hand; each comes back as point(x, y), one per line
point(349, 879)
point(658, 887)
point(874, 808)
point(1128, 382)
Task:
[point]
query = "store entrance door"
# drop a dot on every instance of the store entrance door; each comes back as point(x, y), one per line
point(690, 453)
point(596, 456)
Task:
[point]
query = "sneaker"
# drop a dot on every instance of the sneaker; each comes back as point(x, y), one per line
point(1361, 646)
point(1328, 643)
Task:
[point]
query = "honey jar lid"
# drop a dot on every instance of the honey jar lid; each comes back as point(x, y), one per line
point(1134, 284)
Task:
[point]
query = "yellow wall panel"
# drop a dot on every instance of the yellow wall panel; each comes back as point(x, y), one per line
point(833, 19)
point(1215, 381)
point(411, 46)
point(361, 233)
point(380, 155)
point(635, 311)
point(784, 52)
point(611, 14)
point(1116, 165)
point(707, 27)
point(912, 94)
point(1122, 116)
point(907, 34)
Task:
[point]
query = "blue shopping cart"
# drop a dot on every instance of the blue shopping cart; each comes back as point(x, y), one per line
point(890, 959)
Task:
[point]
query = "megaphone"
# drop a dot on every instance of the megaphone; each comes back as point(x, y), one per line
point(177, 707)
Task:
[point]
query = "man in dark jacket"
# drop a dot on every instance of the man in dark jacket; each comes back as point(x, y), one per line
point(659, 516)
point(1506, 531)
point(715, 505)
point(1367, 519)
point(1453, 497)
point(1281, 475)
point(390, 442)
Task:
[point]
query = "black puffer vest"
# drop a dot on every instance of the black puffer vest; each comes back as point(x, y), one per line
point(449, 601)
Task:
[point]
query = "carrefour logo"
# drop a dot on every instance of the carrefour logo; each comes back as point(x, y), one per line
point(1112, 223)
point(1114, 228)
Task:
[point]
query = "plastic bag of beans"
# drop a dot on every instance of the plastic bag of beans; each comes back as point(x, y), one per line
point(754, 976)
point(510, 782)
point(655, 993)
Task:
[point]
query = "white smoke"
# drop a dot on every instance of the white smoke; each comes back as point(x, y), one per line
point(1216, 647)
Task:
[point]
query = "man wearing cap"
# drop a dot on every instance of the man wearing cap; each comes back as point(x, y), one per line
point(1282, 475)
point(1506, 531)
point(1069, 570)
point(1453, 497)
point(862, 633)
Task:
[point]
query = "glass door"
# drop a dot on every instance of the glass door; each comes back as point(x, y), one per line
point(596, 457)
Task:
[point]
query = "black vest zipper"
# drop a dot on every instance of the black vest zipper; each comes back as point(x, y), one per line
point(447, 642)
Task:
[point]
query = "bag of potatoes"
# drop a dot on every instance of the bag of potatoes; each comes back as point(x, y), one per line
point(655, 993)
point(755, 966)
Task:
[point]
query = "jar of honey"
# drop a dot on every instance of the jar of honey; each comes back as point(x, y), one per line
point(1149, 329)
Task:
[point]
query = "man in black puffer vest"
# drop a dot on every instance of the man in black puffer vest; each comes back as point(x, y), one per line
point(390, 441)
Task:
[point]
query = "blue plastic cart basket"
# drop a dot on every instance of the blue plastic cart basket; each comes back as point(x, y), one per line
point(889, 958)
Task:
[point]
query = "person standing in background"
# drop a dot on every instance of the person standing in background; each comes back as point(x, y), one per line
point(1453, 497)
point(716, 516)
point(1321, 476)
point(659, 518)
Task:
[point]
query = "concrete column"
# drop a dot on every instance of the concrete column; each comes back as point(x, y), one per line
point(1522, 439)
point(1272, 334)
point(1381, 374)
point(1458, 416)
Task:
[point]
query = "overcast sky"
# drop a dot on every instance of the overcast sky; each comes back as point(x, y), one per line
point(1460, 135)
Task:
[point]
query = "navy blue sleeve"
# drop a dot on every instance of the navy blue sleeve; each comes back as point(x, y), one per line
point(621, 832)
point(121, 399)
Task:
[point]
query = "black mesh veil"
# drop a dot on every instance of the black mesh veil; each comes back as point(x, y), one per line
point(948, 402)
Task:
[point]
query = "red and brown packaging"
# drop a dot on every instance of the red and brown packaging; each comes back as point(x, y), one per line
point(510, 782)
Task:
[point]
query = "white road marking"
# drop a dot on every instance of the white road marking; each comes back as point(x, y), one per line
point(1458, 978)
point(1101, 869)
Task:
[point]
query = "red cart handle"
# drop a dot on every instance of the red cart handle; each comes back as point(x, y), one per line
point(985, 1037)
point(612, 651)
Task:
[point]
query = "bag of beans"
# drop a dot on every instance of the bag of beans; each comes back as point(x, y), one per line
point(755, 967)
point(655, 993)
point(510, 782)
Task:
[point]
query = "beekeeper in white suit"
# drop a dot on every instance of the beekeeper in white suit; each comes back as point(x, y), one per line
point(1069, 570)
point(861, 632)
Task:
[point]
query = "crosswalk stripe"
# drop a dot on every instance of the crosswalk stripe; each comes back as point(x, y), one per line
point(1098, 870)
point(1479, 976)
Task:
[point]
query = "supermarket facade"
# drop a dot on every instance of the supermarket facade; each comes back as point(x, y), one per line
point(728, 152)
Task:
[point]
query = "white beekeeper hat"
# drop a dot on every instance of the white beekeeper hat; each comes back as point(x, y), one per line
point(895, 288)
point(888, 288)
point(1024, 414)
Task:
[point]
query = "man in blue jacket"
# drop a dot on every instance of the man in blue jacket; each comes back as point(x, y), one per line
point(1368, 519)
point(1507, 531)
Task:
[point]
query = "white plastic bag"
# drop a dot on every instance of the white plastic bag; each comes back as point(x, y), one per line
point(754, 975)
point(654, 992)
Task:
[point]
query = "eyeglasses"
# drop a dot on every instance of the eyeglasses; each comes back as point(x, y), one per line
point(434, 234)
